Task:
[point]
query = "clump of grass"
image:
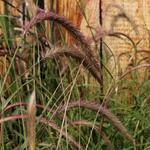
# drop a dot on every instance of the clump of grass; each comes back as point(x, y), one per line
point(62, 115)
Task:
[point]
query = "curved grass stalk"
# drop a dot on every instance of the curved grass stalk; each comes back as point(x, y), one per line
point(41, 16)
point(45, 122)
point(91, 125)
point(134, 68)
point(89, 105)
point(78, 55)
point(121, 14)
point(97, 107)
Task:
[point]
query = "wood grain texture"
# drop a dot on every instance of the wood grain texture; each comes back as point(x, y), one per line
point(70, 9)
point(138, 12)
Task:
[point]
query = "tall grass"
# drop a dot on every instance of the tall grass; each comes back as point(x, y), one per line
point(62, 112)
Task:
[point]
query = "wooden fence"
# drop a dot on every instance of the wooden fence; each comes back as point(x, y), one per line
point(130, 18)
